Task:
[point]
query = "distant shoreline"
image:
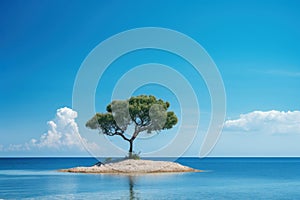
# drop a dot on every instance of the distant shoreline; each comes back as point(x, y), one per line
point(131, 166)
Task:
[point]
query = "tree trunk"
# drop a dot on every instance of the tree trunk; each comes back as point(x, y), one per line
point(135, 134)
point(130, 148)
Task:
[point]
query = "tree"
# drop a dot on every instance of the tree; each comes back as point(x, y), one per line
point(145, 113)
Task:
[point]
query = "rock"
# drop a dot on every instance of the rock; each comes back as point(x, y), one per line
point(98, 164)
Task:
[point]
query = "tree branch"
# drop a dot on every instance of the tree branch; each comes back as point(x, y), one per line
point(139, 129)
point(123, 136)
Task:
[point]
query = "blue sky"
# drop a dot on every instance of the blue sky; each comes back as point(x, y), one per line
point(255, 45)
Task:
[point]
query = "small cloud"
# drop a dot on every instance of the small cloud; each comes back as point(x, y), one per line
point(283, 73)
point(17, 147)
point(62, 134)
point(267, 121)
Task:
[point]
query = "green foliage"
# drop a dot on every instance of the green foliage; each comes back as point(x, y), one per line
point(134, 156)
point(146, 113)
point(105, 122)
point(108, 160)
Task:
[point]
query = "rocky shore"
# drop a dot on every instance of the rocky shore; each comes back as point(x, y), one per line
point(131, 166)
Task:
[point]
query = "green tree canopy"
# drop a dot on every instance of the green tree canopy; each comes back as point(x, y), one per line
point(145, 112)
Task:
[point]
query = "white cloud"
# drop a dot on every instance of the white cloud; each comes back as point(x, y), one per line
point(284, 73)
point(62, 134)
point(17, 147)
point(269, 122)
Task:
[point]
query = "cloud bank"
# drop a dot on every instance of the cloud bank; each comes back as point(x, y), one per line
point(274, 122)
point(62, 135)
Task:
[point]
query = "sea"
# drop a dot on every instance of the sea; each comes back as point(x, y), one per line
point(222, 178)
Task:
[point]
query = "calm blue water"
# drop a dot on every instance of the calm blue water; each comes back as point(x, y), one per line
point(224, 178)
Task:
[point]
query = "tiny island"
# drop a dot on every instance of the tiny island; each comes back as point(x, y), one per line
point(133, 167)
point(147, 114)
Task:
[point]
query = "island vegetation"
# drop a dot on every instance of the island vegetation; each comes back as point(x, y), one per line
point(145, 113)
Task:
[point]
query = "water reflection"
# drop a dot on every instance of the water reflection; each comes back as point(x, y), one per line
point(132, 193)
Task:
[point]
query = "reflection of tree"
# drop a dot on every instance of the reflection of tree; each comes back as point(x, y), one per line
point(132, 195)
